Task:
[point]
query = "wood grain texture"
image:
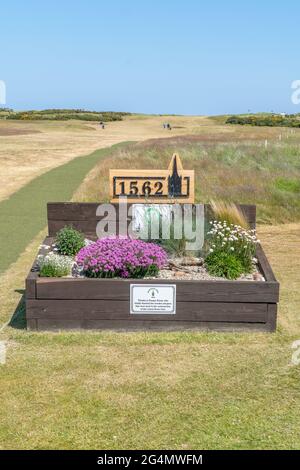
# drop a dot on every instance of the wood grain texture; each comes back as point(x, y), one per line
point(265, 265)
point(32, 324)
point(30, 285)
point(83, 216)
point(190, 291)
point(120, 310)
point(149, 325)
point(272, 317)
point(130, 183)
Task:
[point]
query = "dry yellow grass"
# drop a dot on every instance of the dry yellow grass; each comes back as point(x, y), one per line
point(282, 245)
point(239, 172)
point(229, 212)
point(12, 281)
point(35, 147)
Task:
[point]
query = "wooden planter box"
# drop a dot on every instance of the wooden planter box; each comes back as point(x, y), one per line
point(70, 303)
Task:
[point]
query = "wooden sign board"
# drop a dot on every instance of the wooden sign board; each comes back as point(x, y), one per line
point(173, 185)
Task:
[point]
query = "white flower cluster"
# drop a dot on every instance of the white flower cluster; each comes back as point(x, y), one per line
point(231, 237)
point(55, 260)
point(232, 232)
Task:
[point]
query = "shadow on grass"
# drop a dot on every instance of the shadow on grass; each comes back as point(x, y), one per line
point(18, 319)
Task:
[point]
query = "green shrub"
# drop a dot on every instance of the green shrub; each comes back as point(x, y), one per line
point(69, 241)
point(66, 114)
point(53, 265)
point(222, 264)
point(271, 120)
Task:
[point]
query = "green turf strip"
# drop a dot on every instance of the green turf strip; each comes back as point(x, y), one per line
point(24, 214)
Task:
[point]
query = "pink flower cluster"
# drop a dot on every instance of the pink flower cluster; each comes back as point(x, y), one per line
point(121, 257)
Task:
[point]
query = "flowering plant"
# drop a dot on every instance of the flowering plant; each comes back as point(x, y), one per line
point(54, 265)
point(224, 238)
point(121, 257)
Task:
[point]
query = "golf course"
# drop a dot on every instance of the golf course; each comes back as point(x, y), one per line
point(148, 390)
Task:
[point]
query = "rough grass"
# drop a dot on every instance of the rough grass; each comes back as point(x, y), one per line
point(229, 213)
point(30, 148)
point(244, 172)
point(154, 390)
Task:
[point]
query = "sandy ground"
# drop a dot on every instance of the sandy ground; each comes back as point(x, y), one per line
point(28, 149)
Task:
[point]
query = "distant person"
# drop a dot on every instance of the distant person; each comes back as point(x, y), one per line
point(103, 126)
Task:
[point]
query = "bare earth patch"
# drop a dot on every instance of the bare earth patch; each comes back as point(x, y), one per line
point(16, 131)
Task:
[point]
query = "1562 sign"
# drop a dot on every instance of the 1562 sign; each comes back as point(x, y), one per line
point(172, 185)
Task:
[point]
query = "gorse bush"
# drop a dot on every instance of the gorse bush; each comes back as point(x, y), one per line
point(66, 114)
point(271, 120)
point(53, 265)
point(233, 240)
point(121, 257)
point(222, 264)
point(69, 241)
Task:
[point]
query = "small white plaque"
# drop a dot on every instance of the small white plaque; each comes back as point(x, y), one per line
point(153, 299)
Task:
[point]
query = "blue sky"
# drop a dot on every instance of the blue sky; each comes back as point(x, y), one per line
point(167, 56)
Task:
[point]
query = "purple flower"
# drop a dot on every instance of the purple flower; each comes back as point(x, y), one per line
point(124, 257)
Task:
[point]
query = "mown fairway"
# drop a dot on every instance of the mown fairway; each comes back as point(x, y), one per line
point(168, 390)
point(24, 214)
